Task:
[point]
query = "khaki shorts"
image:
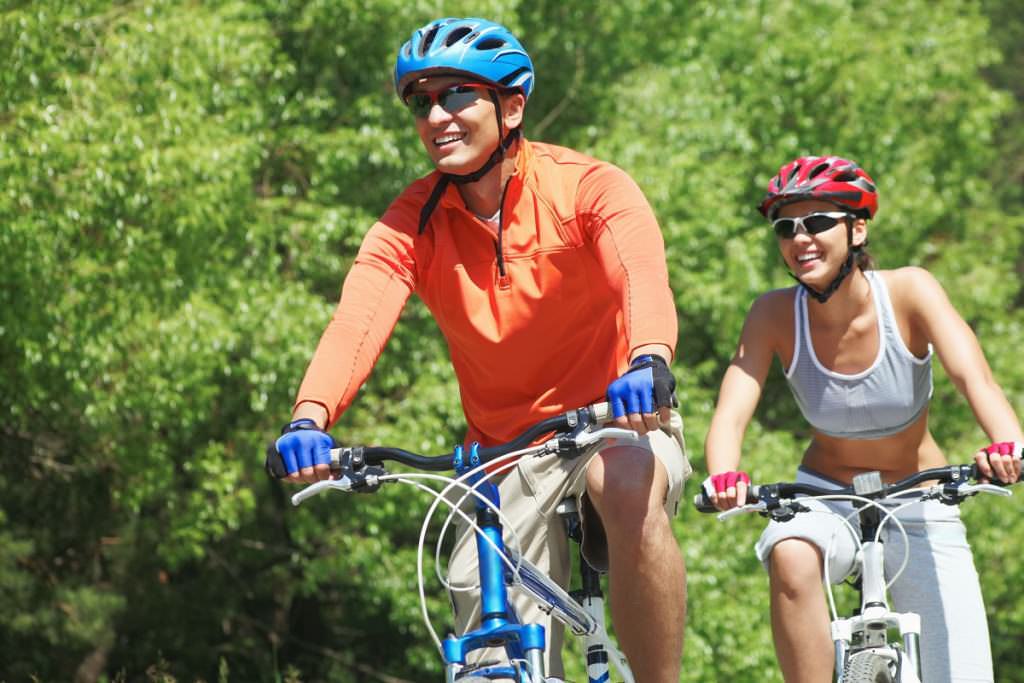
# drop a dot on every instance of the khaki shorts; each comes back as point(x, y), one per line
point(530, 494)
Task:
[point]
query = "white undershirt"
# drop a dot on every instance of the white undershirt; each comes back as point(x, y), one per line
point(493, 220)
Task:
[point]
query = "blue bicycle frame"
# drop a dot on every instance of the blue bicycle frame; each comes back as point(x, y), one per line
point(358, 469)
point(499, 625)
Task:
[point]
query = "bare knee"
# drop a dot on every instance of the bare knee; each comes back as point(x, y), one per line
point(627, 486)
point(795, 567)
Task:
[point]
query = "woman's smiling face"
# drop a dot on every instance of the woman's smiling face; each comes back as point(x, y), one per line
point(817, 258)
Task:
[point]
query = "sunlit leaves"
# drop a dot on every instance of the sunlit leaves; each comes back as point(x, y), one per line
point(185, 185)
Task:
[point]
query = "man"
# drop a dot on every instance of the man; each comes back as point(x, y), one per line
point(545, 270)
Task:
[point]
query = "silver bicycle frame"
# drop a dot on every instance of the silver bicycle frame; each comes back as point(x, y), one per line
point(875, 619)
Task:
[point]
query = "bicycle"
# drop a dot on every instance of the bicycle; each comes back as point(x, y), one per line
point(863, 653)
point(570, 434)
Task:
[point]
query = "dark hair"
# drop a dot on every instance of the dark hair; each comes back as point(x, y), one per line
point(863, 259)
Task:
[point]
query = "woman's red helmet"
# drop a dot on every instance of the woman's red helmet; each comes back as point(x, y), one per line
point(832, 179)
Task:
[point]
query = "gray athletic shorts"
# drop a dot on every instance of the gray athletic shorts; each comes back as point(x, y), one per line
point(939, 583)
point(529, 495)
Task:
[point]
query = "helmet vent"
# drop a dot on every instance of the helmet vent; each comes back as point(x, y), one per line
point(457, 35)
point(511, 78)
point(427, 40)
point(794, 174)
point(864, 184)
point(827, 178)
point(490, 44)
point(480, 50)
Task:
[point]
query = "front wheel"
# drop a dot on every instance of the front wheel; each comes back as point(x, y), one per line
point(868, 667)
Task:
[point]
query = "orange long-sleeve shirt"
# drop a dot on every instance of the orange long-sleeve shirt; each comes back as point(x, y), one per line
point(539, 327)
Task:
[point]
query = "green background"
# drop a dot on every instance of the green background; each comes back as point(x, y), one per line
point(183, 186)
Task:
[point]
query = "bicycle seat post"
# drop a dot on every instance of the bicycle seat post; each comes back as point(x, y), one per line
point(590, 595)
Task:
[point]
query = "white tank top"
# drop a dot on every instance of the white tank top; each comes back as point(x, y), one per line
point(882, 400)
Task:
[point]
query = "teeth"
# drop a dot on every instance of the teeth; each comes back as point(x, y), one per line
point(806, 257)
point(445, 139)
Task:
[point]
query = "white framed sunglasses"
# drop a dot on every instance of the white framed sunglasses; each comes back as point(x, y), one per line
point(812, 223)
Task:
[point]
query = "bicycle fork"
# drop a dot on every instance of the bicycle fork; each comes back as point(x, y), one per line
point(875, 619)
point(499, 626)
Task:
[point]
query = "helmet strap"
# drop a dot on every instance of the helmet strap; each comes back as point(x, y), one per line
point(847, 267)
point(496, 157)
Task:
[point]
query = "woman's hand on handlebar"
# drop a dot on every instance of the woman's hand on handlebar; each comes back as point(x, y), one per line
point(727, 489)
point(1000, 462)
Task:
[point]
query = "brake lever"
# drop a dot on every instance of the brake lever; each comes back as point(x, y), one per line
point(971, 489)
point(953, 494)
point(588, 438)
point(355, 475)
point(572, 445)
point(342, 484)
point(742, 509)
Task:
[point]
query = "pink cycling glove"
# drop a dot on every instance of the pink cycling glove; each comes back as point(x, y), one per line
point(1004, 448)
point(1014, 449)
point(719, 483)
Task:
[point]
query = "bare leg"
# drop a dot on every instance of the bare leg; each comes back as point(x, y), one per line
point(647, 576)
point(803, 644)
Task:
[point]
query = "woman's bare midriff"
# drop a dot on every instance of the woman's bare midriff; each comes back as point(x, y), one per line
point(896, 456)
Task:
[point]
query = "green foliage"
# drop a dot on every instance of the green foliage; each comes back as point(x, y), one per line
point(185, 185)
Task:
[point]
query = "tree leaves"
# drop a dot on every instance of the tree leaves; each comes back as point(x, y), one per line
point(185, 185)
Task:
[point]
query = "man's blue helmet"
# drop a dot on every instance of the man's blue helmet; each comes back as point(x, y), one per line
point(473, 47)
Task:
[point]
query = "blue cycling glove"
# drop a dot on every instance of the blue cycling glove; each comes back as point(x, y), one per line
point(647, 386)
point(303, 444)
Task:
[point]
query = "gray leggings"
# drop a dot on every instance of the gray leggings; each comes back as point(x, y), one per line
point(939, 583)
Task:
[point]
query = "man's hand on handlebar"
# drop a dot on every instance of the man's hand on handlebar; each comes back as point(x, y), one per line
point(305, 450)
point(643, 397)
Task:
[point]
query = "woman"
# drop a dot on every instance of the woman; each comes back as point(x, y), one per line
point(856, 345)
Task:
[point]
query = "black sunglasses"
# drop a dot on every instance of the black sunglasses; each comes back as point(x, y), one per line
point(452, 99)
point(812, 223)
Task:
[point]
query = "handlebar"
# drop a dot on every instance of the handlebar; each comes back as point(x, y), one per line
point(566, 424)
point(771, 496)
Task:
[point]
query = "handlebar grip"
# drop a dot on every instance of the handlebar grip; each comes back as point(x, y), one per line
point(274, 463)
point(602, 412)
point(703, 503)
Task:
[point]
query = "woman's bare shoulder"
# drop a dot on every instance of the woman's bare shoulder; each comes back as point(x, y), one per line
point(912, 286)
point(774, 303)
point(770, 321)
